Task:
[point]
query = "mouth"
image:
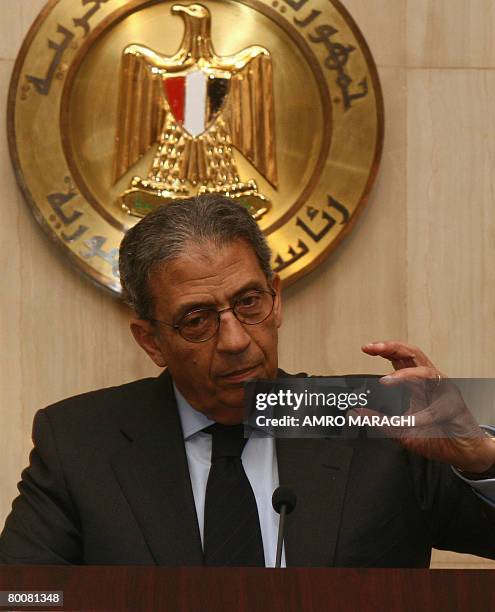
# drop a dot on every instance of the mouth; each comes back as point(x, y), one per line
point(239, 376)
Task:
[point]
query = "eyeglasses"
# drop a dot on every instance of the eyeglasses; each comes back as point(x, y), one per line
point(251, 308)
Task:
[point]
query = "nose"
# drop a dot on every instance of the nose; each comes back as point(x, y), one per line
point(232, 336)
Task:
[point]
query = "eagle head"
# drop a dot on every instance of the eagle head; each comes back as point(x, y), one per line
point(193, 11)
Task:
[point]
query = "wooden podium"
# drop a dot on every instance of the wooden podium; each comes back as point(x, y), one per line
point(252, 589)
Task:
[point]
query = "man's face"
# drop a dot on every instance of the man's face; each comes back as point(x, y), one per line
point(210, 374)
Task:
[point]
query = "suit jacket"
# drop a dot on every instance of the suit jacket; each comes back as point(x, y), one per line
point(108, 483)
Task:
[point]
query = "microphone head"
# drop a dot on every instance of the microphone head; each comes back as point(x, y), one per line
point(283, 496)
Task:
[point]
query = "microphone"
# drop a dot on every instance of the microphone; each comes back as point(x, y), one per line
point(283, 502)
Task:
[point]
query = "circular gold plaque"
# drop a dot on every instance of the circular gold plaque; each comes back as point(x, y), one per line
point(116, 106)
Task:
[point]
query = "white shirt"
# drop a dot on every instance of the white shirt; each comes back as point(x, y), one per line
point(259, 460)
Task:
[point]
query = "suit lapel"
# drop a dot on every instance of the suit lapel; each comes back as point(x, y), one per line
point(316, 470)
point(153, 474)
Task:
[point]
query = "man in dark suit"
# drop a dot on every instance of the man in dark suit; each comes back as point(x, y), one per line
point(154, 472)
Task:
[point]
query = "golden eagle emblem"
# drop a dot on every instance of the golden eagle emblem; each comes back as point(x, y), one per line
point(197, 106)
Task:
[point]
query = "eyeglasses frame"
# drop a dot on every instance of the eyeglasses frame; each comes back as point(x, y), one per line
point(177, 326)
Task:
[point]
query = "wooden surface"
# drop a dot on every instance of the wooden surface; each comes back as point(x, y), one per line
point(247, 589)
point(418, 265)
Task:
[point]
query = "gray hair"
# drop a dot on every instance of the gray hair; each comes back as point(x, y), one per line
point(165, 234)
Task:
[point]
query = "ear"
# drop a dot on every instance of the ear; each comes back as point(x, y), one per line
point(145, 335)
point(277, 307)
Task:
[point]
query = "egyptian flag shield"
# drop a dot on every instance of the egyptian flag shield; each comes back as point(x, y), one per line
point(195, 99)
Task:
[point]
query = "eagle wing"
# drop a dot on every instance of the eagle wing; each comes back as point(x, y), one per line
point(141, 110)
point(250, 115)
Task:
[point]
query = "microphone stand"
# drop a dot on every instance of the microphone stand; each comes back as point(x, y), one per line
point(280, 540)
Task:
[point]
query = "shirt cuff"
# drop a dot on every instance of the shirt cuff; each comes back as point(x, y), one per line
point(485, 488)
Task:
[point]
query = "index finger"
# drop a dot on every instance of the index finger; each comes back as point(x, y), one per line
point(397, 351)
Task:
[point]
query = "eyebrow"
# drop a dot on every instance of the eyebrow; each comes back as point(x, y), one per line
point(188, 307)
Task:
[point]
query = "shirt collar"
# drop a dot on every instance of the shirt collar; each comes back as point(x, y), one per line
point(192, 420)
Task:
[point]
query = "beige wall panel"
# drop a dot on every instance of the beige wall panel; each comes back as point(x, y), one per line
point(451, 225)
point(14, 437)
point(17, 17)
point(451, 218)
point(359, 293)
point(451, 33)
point(383, 24)
point(442, 559)
point(11, 29)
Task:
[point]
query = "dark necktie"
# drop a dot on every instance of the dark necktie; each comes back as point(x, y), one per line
point(232, 533)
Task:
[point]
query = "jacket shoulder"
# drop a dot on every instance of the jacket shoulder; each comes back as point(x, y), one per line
point(101, 397)
point(130, 401)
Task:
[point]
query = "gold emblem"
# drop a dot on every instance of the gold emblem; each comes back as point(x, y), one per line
point(117, 106)
point(192, 103)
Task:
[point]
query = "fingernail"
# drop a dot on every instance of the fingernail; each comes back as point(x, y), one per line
point(387, 380)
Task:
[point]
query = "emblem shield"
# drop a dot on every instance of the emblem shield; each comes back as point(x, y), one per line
point(195, 99)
